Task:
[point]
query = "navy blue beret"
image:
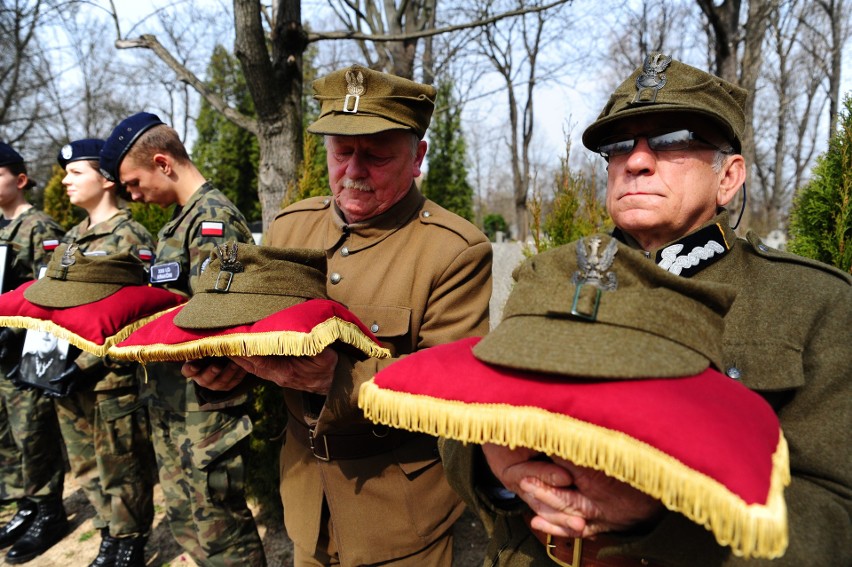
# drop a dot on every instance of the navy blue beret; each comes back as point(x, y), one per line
point(122, 139)
point(88, 149)
point(8, 156)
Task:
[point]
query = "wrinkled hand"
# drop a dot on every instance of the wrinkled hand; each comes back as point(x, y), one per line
point(67, 382)
point(306, 373)
point(569, 500)
point(220, 374)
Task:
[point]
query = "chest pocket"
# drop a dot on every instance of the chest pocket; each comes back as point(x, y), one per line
point(391, 325)
point(764, 365)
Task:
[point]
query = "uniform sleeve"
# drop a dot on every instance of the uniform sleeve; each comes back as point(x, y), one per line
point(42, 232)
point(204, 235)
point(457, 308)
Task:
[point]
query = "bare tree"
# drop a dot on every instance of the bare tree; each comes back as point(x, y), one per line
point(270, 43)
point(829, 30)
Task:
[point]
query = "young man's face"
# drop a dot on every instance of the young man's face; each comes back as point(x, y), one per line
point(659, 196)
point(146, 182)
point(369, 174)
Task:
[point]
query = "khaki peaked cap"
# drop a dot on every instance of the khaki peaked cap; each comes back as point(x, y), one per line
point(359, 101)
point(647, 324)
point(243, 283)
point(73, 279)
point(663, 85)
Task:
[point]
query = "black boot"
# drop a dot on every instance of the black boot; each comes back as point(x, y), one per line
point(50, 526)
point(19, 523)
point(131, 552)
point(107, 552)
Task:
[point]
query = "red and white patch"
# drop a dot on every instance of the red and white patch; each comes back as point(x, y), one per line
point(49, 244)
point(145, 255)
point(210, 228)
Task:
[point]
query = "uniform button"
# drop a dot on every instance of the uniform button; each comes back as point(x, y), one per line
point(326, 201)
point(344, 251)
point(427, 214)
point(734, 372)
point(374, 328)
point(762, 247)
point(335, 278)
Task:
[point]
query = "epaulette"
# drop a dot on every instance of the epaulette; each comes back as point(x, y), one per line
point(309, 204)
point(434, 214)
point(765, 251)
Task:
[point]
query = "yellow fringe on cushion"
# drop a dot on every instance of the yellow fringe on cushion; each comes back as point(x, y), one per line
point(290, 343)
point(78, 341)
point(756, 530)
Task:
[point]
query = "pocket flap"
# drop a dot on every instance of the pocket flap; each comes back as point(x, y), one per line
point(384, 321)
point(220, 441)
point(767, 365)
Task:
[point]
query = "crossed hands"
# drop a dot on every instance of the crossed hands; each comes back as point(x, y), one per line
point(569, 500)
point(306, 373)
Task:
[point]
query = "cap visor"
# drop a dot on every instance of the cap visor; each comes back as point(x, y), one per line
point(338, 124)
point(210, 310)
point(48, 292)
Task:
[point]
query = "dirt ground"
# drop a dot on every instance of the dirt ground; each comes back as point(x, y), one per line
point(80, 546)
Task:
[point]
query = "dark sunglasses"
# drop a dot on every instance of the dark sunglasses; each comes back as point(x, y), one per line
point(665, 142)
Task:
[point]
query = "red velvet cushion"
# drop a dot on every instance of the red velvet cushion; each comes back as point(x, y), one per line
point(304, 329)
point(705, 445)
point(95, 326)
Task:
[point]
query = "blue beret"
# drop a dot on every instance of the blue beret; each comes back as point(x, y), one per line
point(78, 150)
point(122, 139)
point(8, 156)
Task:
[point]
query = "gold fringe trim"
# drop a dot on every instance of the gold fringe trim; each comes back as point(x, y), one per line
point(78, 341)
point(292, 343)
point(754, 530)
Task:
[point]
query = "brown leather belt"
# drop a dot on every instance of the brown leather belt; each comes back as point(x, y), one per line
point(577, 552)
point(380, 439)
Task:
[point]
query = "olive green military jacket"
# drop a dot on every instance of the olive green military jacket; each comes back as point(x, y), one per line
point(118, 233)
point(417, 276)
point(788, 336)
point(30, 238)
point(183, 244)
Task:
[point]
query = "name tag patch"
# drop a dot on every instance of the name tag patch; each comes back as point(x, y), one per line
point(165, 272)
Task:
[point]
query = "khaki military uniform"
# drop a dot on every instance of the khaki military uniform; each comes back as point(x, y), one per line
point(104, 422)
point(417, 276)
point(788, 337)
point(200, 447)
point(30, 445)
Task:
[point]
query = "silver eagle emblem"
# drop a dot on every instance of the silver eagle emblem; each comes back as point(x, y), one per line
point(652, 79)
point(593, 268)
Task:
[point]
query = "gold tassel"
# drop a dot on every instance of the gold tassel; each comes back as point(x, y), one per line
point(292, 343)
point(756, 530)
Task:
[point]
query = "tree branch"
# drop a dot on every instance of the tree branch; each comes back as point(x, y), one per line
point(148, 41)
point(319, 36)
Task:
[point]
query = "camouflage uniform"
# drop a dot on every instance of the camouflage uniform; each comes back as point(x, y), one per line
point(200, 446)
point(31, 465)
point(104, 422)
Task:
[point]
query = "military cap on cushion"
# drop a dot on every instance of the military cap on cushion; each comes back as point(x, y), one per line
point(8, 156)
point(90, 301)
point(664, 85)
point(122, 139)
point(252, 301)
point(78, 150)
point(613, 313)
point(359, 101)
point(243, 283)
point(586, 325)
point(73, 279)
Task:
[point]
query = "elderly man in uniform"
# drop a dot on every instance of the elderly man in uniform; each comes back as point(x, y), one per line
point(671, 135)
point(417, 276)
point(199, 446)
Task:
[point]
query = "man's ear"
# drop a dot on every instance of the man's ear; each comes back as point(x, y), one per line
point(418, 157)
point(163, 163)
point(731, 179)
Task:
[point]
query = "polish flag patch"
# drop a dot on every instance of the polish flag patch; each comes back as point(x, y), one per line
point(145, 255)
point(211, 228)
point(49, 244)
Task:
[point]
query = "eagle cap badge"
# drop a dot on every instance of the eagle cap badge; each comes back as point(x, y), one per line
point(355, 87)
point(652, 79)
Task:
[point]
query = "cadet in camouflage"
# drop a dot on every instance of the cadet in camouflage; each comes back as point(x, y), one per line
point(103, 419)
point(31, 467)
point(199, 445)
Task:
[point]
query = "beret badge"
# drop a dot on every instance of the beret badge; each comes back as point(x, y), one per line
point(652, 79)
point(67, 151)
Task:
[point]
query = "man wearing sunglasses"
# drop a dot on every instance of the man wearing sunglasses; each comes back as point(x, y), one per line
point(671, 135)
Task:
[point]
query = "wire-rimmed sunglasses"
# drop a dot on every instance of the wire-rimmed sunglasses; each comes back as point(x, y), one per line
point(665, 142)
